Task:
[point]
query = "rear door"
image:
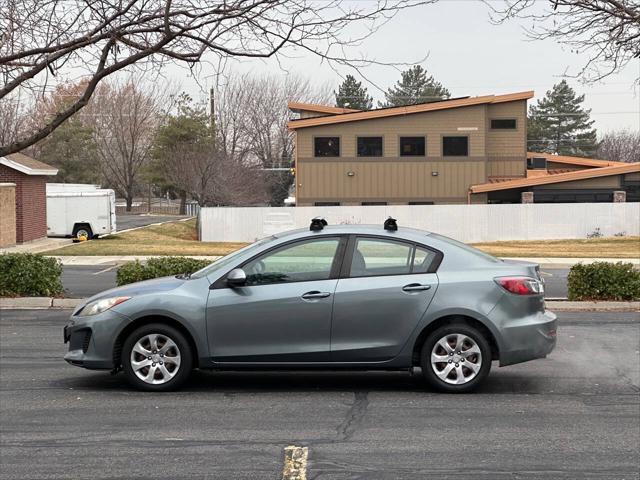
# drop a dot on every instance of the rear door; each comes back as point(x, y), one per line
point(385, 287)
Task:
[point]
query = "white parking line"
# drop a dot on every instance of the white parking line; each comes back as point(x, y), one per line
point(105, 270)
point(295, 463)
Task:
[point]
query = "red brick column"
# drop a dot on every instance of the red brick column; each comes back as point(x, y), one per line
point(527, 197)
point(619, 196)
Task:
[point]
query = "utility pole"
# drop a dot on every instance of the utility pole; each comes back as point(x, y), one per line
point(212, 108)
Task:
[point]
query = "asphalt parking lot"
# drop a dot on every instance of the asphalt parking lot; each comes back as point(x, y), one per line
point(575, 414)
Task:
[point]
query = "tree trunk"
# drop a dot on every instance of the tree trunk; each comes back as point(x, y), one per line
point(129, 202)
point(183, 202)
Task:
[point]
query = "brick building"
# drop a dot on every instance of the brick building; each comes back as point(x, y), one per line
point(30, 178)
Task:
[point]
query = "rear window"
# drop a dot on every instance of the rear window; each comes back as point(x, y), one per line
point(467, 248)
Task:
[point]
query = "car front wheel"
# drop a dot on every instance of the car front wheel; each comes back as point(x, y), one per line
point(156, 358)
point(456, 358)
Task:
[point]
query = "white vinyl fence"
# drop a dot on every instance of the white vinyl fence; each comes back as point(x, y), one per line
point(467, 223)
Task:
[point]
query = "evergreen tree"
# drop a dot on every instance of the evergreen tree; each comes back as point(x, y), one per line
point(414, 87)
point(187, 129)
point(559, 124)
point(351, 94)
point(71, 149)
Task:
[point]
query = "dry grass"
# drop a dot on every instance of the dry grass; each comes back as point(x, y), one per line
point(180, 238)
point(610, 247)
point(175, 238)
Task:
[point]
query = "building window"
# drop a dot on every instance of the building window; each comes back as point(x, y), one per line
point(503, 124)
point(412, 146)
point(327, 146)
point(537, 163)
point(326, 204)
point(369, 146)
point(455, 146)
point(368, 204)
point(420, 203)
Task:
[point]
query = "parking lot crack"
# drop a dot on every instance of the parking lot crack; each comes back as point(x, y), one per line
point(354, 416)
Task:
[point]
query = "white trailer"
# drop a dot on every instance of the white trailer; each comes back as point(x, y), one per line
point(75, 210)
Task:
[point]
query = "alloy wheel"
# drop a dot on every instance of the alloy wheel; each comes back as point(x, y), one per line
point(456, 359)
point(155, 358)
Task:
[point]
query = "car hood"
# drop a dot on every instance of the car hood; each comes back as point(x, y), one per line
point(163, 284)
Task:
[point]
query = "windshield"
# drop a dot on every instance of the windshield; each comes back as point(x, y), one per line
point(230, 258)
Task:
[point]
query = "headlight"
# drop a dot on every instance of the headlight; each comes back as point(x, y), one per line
point(100, 306)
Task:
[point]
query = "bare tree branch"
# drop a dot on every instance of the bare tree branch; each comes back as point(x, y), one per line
point(42, 39)
point(607, 31)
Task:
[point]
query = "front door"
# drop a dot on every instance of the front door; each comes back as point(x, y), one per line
point(387, 288)
point(283, 313)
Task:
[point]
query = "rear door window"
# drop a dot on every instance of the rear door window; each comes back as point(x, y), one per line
point(376, 257)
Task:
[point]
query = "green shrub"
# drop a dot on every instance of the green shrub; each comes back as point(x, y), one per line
point(604, 281)
point(158, 267)
point(26, 274)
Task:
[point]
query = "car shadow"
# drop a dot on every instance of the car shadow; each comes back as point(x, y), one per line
point(250, 382)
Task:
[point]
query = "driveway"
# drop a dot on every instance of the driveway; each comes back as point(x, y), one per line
point(573, 415)
point(125, 222)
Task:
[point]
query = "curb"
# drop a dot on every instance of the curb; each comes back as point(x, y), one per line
point(567, 306)
point(38, 303)
point(553, 305)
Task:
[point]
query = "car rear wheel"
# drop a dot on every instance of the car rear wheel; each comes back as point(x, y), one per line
point(456, 358)
point(157, 358)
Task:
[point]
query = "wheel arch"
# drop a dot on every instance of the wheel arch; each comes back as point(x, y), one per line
point(448, 320)
point(147, 320)
point(78, 225)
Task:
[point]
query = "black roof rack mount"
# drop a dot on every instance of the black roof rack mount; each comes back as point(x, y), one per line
point(391, 224)
point(317, 224)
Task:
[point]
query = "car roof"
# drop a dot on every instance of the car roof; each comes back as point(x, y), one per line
point(346, 229)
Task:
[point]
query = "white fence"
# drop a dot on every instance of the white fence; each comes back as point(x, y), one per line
point(468, 223)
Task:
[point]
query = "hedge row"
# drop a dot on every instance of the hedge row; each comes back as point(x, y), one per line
point(158, 267)
point(604, 281)
point(26, 274)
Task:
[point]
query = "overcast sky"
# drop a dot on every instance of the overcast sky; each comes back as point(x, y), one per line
point(469, 56)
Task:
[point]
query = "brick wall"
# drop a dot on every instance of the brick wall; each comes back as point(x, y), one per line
point(7, 214)
point(31, 204)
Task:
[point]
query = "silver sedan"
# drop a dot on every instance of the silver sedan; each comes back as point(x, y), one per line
point(327, 297)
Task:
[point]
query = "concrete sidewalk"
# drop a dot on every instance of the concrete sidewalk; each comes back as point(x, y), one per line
point(116, 260)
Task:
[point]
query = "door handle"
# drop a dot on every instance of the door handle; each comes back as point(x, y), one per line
point(415, 287)
point(315, 294)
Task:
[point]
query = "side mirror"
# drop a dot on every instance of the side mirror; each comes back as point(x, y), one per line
point(236, 277)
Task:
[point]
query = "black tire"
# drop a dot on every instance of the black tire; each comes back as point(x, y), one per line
point(81, 228)
point(428, 370)
point(183, 348)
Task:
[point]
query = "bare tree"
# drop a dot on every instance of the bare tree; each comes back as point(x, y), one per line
point(125, 117)
point(13, 119)
point(607, 31)
point(40, 39)
point(268, 139)
point(620, 146)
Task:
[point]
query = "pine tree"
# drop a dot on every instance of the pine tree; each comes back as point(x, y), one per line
point(559, 124)
point(415, 87)
point(351, 94)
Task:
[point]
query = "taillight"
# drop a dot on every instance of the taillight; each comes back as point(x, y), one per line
point(521, 285)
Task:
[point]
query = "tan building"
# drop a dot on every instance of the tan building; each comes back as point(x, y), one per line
point(464, 150)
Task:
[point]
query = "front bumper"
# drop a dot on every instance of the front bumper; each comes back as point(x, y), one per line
point(92, 339)
point(529, 338)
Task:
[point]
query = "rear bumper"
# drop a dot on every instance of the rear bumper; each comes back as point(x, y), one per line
point(528, 338)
